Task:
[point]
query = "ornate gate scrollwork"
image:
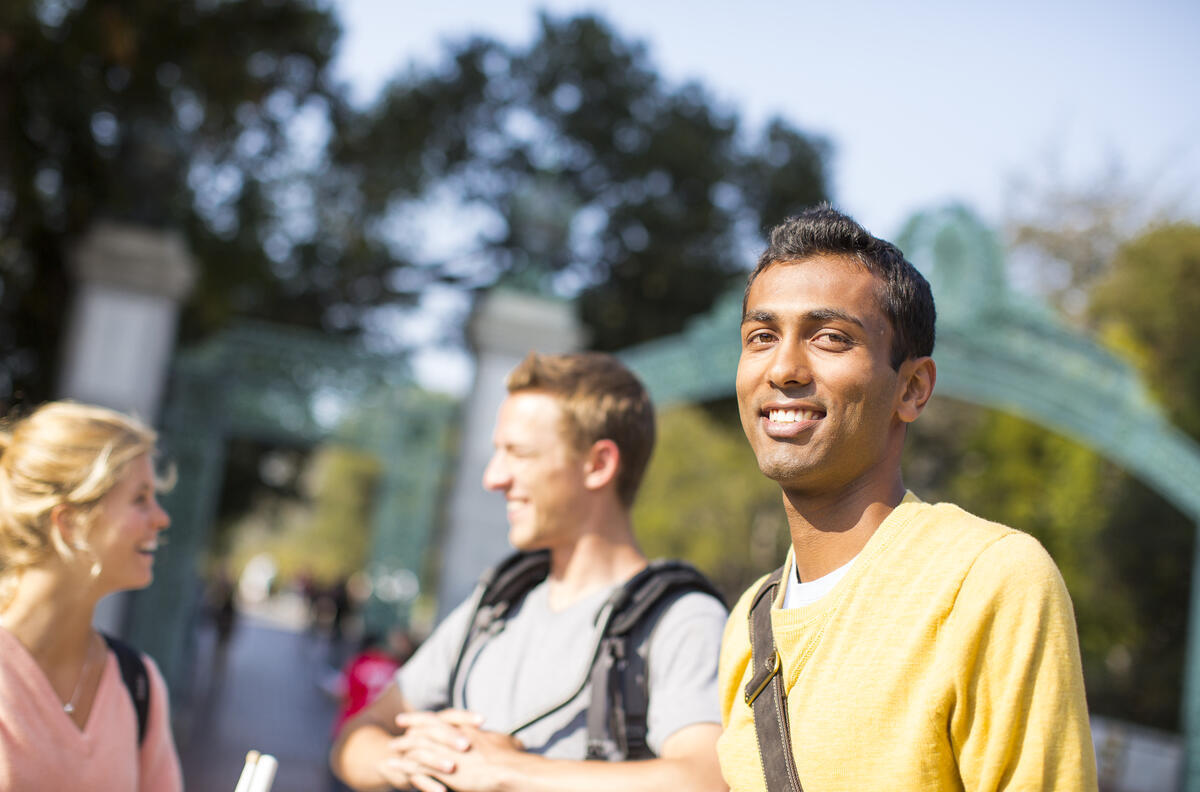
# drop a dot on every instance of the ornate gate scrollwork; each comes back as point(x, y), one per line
point(297, 388)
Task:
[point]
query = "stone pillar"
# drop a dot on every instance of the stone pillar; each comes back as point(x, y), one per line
point(129, 282)
point(504, 328)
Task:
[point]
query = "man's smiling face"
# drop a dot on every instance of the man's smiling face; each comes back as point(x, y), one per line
point(537, 470)
point(816, 390)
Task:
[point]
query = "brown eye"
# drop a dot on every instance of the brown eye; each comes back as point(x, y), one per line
point(831, 339)
point(759, 337)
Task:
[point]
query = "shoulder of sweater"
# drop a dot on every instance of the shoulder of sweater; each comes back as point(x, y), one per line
point(955, 531)
point(949, 521)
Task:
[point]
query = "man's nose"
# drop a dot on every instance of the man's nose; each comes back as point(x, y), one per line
point(790, 364)
point(495, 475)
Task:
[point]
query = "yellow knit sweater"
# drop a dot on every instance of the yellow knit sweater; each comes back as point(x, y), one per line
point(946, 659)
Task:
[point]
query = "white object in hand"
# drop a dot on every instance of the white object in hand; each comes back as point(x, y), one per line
point(264, 774)
point(243, 784)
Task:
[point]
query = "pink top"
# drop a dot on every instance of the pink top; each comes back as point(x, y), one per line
point(42, 748)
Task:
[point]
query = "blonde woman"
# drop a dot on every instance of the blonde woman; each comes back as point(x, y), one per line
point(79, 519)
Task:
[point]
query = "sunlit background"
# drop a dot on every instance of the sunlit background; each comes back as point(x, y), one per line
point(266, 224)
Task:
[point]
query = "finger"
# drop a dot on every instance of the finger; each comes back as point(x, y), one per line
point(395, 772)
point(430, 758)
point(400, 771)
point(459, 717)
point(435, 733)
point(415, 754)
point(425, 783)
point(417, 719)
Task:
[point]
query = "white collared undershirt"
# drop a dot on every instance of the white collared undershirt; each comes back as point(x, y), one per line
point(799, 594)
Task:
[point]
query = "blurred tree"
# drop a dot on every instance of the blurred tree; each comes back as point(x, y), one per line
point(322, 528)
point(1146, 306)
point(1124, 552)
point(568, 164)
point(179, 114)
point(1063, 232)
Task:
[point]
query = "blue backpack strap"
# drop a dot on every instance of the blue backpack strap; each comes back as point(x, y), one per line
point(136, 679)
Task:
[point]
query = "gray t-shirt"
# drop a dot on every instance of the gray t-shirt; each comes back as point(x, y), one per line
point(541, 656)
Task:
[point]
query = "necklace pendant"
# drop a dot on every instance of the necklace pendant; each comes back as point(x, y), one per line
point(68, 708)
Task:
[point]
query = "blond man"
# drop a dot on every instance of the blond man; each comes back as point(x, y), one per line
point(511, 710)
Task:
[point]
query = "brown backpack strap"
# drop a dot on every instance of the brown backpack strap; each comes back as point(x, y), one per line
point(765, 695)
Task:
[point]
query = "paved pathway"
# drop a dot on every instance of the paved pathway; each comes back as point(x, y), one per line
point(264, 695)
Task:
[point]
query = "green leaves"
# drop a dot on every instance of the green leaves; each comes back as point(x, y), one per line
point(572, 163)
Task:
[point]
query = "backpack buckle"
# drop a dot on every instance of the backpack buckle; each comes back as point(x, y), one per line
point(777, 668)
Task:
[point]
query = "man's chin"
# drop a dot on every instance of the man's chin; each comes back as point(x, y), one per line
point(782, 471)
point(521, 539)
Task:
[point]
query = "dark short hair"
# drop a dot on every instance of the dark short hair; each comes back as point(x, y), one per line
point(601, 400)
point(904, 294)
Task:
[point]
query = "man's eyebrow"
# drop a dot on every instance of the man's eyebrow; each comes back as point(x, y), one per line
point(815, 315)
point(832, 314)
point(765, 317)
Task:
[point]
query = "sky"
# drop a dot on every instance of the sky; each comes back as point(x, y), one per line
point(925, 102)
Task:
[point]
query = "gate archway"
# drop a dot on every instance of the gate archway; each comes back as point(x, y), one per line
point(1000, 350)
point(296, 388)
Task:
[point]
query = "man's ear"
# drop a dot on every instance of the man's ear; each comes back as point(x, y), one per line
point(917, 377)
point(601, 465)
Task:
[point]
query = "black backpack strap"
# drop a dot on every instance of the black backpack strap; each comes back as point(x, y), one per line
point(765, 694)
point(511, 579)
point(136, 679)
point(499, 589)
point(616, 717)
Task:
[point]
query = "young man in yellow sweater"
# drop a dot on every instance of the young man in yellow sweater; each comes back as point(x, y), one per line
point(918, 647)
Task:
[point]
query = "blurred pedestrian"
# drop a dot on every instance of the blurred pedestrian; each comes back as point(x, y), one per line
point(78, 520)
point(223, 606)
point(339, 595)
point(366, 675)
point(368, 672)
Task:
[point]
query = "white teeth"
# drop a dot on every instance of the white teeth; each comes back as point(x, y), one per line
point(790, 416)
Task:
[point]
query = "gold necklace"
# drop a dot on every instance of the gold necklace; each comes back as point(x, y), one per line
point(69, 707)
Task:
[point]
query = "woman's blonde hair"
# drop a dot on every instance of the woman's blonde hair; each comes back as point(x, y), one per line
point(63, 453)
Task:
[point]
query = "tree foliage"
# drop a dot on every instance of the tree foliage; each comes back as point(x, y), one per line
point(323, 528)
point(1063, 233)
point(1124, 552)
point(174, 115)
point(1147, 307)
point(568, 163)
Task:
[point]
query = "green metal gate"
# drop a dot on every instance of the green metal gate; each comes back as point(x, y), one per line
point(292, 387)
